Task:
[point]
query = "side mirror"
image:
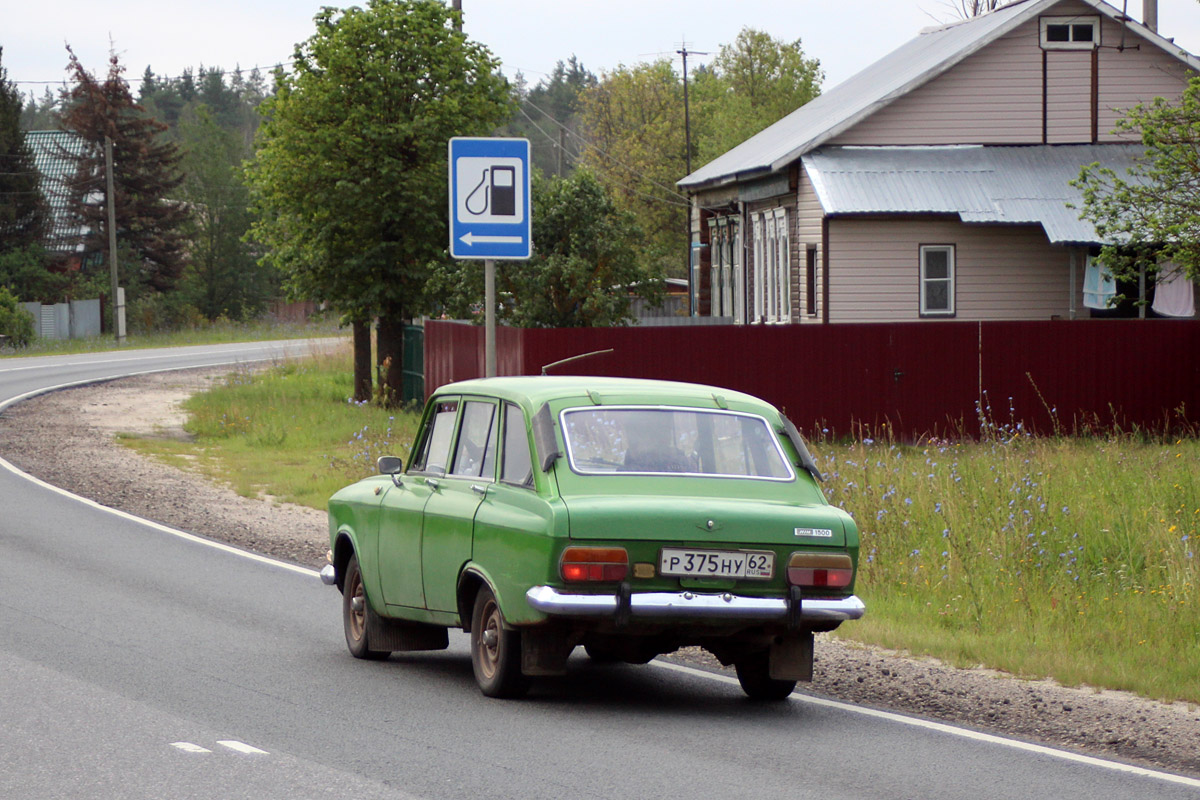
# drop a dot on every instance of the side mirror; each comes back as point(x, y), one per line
point(391, 465)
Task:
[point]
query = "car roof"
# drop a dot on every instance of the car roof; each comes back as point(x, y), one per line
point(538, 389)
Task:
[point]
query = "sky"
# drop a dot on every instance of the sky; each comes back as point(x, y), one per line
point(529, 36)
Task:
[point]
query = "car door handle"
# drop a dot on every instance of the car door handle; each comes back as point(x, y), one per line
point(478, 489)
point(432, 483)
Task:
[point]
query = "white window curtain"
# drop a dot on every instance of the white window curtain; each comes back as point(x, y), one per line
point(783, 265)
point(759, 273)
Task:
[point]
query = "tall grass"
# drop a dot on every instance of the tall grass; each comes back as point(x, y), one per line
point(1073, 558)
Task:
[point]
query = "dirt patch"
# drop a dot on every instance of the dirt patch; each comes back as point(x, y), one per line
point(66, 438)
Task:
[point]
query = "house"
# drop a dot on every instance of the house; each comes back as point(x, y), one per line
point(55, 155)
point(934, 183)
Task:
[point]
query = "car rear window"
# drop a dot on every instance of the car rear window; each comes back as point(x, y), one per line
point(672, 441)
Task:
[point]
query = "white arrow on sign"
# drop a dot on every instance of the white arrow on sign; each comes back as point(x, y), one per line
point(470, 239)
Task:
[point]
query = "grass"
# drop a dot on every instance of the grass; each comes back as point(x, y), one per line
point(292, 433)
point(1073, 558)
point(215, 333)
point(1066, 557)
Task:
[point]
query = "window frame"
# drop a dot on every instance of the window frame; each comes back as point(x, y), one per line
point(502, 459)
point(950, 279)
point(1071, 21)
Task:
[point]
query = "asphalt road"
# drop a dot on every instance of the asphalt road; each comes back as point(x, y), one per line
point(139, 663)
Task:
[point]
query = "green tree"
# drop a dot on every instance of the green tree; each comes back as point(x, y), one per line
point(41, 115)
point(224, 278)
point(634, 126)
point(16, 325)
point(1153, 212)
point(145, 174)
point(22, 207)
point(350, 176)
point(548, 115)
point(584, 271)
point(749, 85)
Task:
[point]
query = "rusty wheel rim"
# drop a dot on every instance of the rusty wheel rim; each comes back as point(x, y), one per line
point(357, 606)
point(489, 640)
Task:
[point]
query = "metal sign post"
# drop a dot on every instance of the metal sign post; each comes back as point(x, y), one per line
point(490, 213)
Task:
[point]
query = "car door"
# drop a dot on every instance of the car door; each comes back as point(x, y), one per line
point(454, 499)
point(402, 510)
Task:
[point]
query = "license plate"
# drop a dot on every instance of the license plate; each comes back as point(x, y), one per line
point(716, 563)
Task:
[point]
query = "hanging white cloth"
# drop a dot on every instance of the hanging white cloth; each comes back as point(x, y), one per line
point(1173, 294)
point(1098, 285)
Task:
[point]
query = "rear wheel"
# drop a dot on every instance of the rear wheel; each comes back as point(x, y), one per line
point(754, 674)
point(495, 652)
point(354, 614)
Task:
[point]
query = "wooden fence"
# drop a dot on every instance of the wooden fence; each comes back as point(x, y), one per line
point(919, 378)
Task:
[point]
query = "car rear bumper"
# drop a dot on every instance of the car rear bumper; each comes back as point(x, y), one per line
point(692, 605)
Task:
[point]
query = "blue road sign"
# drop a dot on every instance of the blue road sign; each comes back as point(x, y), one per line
point(489, 198)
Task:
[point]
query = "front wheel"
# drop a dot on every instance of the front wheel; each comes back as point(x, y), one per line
point(495, 652)
point(754, 674)
point(354, 614)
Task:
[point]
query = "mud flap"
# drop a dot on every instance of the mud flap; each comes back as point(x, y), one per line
point(791, 657)
point(398, 636)
point(544, 651)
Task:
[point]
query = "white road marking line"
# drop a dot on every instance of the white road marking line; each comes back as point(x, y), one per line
point(964, 733)
point(241, 747)
point(188, 747)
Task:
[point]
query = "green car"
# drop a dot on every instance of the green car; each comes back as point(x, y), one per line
point(632, 517)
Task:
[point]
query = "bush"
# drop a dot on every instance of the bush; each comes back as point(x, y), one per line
point(15, 322)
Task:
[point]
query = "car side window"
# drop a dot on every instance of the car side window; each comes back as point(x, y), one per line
point(517, 466)
point(435, 447)
point(475, 455)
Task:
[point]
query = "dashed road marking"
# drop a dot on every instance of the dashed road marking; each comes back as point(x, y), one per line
point(241, 747)
point(188, 747)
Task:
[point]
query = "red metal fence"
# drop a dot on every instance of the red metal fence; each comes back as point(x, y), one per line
point(919, 378)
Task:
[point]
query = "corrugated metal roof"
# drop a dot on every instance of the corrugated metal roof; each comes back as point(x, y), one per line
point(53, 154)
point(1014, 185)
point(915, 63)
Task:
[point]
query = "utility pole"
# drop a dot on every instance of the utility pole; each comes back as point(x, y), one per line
point(687, 158)
point(687, 117)
point(457, 6)
point(118, 306)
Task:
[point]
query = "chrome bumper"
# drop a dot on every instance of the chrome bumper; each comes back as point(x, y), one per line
point(692, 605)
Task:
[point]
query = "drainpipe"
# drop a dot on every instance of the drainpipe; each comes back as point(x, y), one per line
point(1150, 14)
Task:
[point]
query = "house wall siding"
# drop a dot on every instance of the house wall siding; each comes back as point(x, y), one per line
point(808, 235)
point(1001, 272)
point(1068, 96)
point(992, 97)
point(1131, 76)
point(995, 96)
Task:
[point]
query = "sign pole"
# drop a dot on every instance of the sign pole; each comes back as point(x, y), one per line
point(489, 317)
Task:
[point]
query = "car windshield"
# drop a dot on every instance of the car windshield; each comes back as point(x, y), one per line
point(672, 441)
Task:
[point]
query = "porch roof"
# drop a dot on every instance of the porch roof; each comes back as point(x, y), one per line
point(1014, 185)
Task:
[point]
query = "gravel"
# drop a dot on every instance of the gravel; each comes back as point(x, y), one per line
point(67, 439)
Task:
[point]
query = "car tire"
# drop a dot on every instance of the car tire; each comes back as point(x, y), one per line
point(495, 651)
point(354, 614)
point(754, 674)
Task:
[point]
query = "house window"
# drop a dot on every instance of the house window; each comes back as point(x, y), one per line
point(724, 250)
point(758, 237)
point(937, 280)
point(810, 282)
point(1070, 33)
point(772, 273)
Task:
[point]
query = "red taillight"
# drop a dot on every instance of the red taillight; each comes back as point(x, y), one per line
point(820, 570)
point(581, 564)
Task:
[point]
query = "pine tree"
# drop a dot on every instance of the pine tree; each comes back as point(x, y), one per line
point(145, 173)
point(22, 206)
